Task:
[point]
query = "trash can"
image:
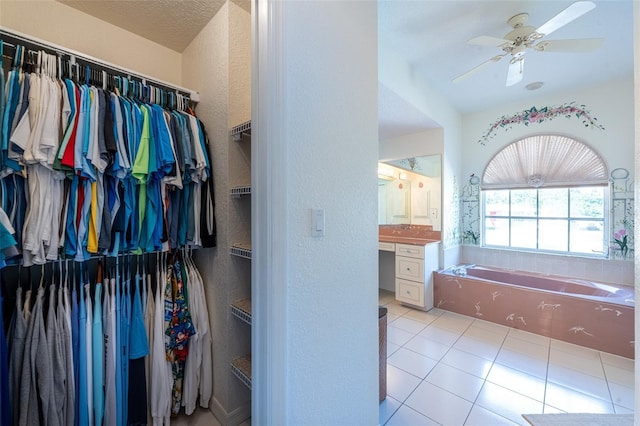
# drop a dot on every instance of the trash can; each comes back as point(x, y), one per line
point(382, 337)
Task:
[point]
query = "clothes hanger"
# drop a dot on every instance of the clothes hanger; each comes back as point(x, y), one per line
point(66, 274)
point(41, 277)
point(16, 56)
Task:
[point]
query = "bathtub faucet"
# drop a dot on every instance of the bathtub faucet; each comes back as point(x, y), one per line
point(462, 269)
point(459, 270)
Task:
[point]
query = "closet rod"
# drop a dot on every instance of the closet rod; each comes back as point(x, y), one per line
point(12, 38)
point(18, 261)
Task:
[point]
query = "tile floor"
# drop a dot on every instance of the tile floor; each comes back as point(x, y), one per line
point(200, 417)
point(449, 369)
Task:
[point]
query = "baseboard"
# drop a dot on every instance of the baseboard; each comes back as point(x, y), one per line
point(233, 418)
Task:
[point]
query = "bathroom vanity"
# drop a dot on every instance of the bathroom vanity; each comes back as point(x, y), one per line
point(409, 254)
point(409, 232)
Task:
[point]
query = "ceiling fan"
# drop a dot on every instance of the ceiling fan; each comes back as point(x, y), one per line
point(523, 37)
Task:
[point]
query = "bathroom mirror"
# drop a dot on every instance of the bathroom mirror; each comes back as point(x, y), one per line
point(409, 191)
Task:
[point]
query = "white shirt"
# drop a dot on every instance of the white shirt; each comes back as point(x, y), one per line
point(161, 376)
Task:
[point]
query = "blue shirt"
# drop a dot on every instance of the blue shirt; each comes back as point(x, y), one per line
point(117, 320)
point(125, 318)
point(98, 357)
point(71, 239)
point(138, 340)
point(164, 155)
point(83, 414)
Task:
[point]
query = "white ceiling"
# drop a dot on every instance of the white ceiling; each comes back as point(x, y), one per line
point(171, 23)
point(432, 36)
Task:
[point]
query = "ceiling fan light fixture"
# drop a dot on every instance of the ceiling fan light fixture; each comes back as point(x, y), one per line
point(534, 85)
point(524, 37)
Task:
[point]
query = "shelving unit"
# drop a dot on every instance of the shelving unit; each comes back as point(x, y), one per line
point(241, 308)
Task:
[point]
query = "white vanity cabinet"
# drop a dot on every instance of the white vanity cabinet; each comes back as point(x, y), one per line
point(414, 266)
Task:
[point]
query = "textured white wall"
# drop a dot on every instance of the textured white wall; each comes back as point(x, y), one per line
point(218, 64)
point(67, 27)
point(331, 138)
point(428, 142)
point(205, 65)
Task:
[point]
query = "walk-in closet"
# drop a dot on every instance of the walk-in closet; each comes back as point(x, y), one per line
point(125, 189)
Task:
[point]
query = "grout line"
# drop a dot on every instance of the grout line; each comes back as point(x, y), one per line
point(606, 380)
point(394, 411)
point(546, 379)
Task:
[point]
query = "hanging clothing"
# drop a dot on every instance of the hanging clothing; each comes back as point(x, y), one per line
point(83, 380)
point(5, 403)
point(106, 172)
point(37, 373)
point(179, 329)
point(113, 171)
point(198, 365)
point(161, 376)
point(64, 318)
point(89, 353)
point(138, 349)
point(109, 333)
point(58, 363)
point(149, 317)
point(98, 356)
point(125, 324)
point(17, 336)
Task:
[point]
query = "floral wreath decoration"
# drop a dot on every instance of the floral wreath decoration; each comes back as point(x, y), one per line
point(535, 115)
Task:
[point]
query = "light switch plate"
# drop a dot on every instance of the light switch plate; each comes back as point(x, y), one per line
point(317, 222)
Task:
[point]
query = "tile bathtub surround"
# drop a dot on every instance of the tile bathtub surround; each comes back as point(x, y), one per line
point(448, 369)
point(619, 272)
point(605, 324)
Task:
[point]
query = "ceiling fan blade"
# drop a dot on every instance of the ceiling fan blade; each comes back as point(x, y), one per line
point(571, 13)
point(516, 70)
point(488, 41)
point(477, 68)
point(574, 45)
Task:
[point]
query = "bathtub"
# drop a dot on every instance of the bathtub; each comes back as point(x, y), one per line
point(595, 315)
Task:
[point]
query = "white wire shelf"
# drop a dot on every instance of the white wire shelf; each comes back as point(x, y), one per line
point(240, 250)
point(241, 130)
point(242, 310)
point(240, 191)
point(241, 368)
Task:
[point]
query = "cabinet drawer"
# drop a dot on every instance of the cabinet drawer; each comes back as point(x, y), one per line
point(386, 246)
point(410, 292)
point(409, 268)
point(410, 251)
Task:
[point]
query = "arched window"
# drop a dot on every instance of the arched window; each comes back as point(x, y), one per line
point(544, 161)
point(546, 193)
